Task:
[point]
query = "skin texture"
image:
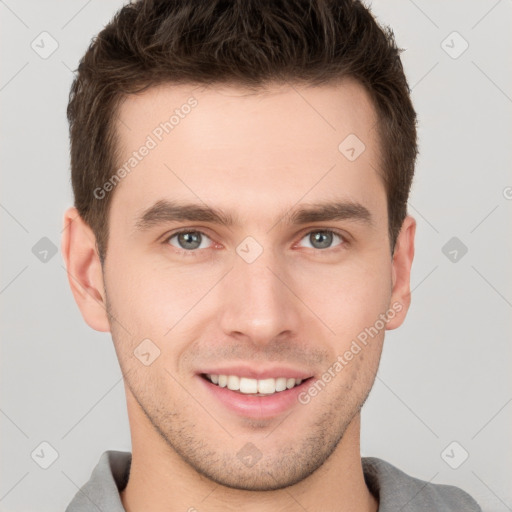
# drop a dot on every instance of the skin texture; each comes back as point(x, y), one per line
point(257, 157)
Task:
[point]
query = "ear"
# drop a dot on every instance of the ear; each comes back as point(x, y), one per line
point(84, 271)
point(401, 273)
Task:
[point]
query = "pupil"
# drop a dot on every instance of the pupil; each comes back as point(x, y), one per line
point(321, 239)
point(189, 240)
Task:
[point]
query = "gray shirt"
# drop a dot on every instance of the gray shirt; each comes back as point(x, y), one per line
point(395, 490)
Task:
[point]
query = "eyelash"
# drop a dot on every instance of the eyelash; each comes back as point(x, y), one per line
point(195, 252)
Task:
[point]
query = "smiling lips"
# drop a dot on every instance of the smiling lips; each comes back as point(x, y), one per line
point(252, 391)
point(248, 386)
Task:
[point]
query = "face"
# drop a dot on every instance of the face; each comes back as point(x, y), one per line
point(248, 277)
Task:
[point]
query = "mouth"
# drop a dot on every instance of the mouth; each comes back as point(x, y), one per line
point(258, 396)
point(253, 387)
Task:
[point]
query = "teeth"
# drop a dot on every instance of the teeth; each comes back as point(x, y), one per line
point(248, 385)
point(233, 383)
point(281, 384)
point(253, 386)
point(267, 386)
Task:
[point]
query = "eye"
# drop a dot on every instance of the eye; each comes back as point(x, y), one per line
point(189, 240)
point(322, 239)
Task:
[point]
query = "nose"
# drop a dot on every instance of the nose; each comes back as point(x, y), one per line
point(258, 301)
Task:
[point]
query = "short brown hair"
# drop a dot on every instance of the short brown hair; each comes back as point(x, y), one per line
point(241, 42)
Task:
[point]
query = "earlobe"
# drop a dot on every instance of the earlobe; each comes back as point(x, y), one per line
point(401, 273)
point(84, 271)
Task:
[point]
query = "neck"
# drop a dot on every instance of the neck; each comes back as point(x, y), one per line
point(160, 480)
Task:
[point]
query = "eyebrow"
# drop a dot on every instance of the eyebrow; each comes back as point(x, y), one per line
point(164, 211)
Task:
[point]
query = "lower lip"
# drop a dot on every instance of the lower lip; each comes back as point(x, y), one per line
point(251, 406)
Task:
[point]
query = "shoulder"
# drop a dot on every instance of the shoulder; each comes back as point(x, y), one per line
point(101, 491)
point(398, 491)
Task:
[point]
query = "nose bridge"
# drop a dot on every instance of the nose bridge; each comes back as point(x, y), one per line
point(257, 304)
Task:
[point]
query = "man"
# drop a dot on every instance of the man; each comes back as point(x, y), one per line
point(241, 172)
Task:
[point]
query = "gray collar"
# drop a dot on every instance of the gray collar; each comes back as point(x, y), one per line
point(393, 488)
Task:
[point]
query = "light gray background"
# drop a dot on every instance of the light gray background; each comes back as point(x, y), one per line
point(444, 376)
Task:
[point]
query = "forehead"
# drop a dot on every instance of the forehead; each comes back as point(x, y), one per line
point(231, 146)
point(217, 112)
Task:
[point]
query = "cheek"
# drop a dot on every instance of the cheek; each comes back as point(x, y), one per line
point(156, 301)
point(348, 297)
point(138, 292)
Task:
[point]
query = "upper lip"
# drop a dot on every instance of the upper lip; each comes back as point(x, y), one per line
point(253, 372)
